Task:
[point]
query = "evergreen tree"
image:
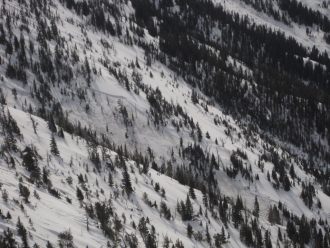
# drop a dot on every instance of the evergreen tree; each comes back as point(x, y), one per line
point(45, 175)
point(305, 231)
point(8, 216)
point(258, 239)
point(273, 215)
point(35, 174)
point(22, 232)
point(199, 133)
point(178, 244)
point(325, 241)
point(164, 210)
point(189, 231)
point(207, 234)
point(189, 211)
point(51, 124)
point(143, 229)
point(9, 48)
point(256, 209)
point(246, 235)
point(79, 194)
point(192, 193)
point(16, 43)
point(223, 212)
point(110, 180)
point(194, 97)
point(167, 242)
point(24, 192)
point(181, 208)
point(126, 182)
point(220, 238)
point(205, 198)
point(53, 146)
point(268, 241)
point(30, 162)
point(5, 195)
point(61, 133)
point(8, 239)
point(236, 212)
point(30, 159)
point(88, 72)
point(279, 235)
point(65, 239)
point(286, 183)
point(292, 172)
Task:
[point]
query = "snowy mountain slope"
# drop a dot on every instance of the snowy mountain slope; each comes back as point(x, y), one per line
point(51, 215)
point(127, 117)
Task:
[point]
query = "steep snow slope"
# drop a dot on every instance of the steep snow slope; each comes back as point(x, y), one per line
point(49, 215)
point(101, 110)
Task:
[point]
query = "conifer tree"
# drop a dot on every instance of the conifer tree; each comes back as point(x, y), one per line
point(223, 236)
point(22, 232)
point(189, 230)
point(51, 124)
point(258, 239)
point(110, 180)
point(219, 239)
point(286, 183)
point(53, 146)
point(273, 215)
point(29, 158)
point(199, 133)
point(164, 210)
point(223, 211)
point(45, 175)
point(5, 195)
point(237, 215)
point(268, 241)
point(207, 234)
point(143, 229)
point(60, 133)
point(279, 235)
point(30, 162)
point(194, 97)
point(256, 209)
point(189, 211)
point(126, 182)
point(292, 172)
point(24, 192)
point(79, 194)
point(178, 244)
point(65, 239)
point(325, 241)
point(88, 72)
point(8, 239)
point(246, 234)
point(192, 192)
